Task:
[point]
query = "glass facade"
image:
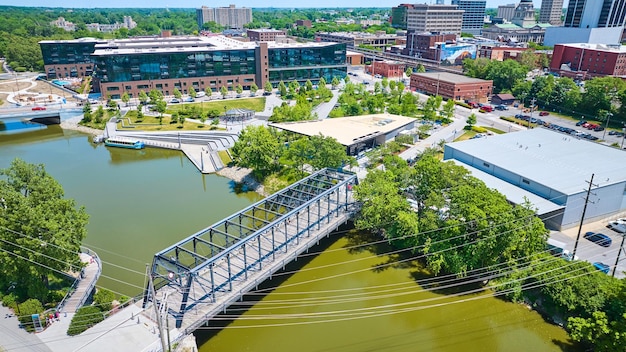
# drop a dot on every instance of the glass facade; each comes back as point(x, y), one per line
point(288, 64)
point(149, 66)
point(55, 53)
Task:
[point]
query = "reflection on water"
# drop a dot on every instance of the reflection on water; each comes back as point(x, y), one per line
point(32, 135)
point(11, 126)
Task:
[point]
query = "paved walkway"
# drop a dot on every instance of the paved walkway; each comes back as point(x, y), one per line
point(15, 339)
point(91, 273)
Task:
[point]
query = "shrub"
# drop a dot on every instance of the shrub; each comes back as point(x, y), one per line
point(10, 301)
point(84, 318)
point(28, 308)
point(479, 129)
point(462, 104)
point(103, 299)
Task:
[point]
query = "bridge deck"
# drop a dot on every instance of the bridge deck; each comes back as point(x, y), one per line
point(203, 274)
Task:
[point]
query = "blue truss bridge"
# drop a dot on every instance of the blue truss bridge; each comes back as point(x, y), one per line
point(200, 276)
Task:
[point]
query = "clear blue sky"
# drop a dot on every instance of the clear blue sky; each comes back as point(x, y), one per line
point(238, 3)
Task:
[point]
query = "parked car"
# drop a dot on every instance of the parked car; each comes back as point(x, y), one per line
point(599, 238)
point(617, 226)
point(581, 122)
point(174, 101)
point(602, 267)
point(39, 108)
point(544, 113)
point(501, 107)
point(200, 94)
point(598, 129)
point(190, 99)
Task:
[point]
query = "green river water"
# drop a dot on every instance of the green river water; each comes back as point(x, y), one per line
point(342, 299)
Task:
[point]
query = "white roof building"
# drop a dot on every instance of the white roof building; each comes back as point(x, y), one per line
point(551, 170)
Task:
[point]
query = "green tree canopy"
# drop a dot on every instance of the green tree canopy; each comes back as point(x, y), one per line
point(258, 149)
point(36, 223)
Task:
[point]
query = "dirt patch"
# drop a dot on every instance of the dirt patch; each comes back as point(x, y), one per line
point(243, 175)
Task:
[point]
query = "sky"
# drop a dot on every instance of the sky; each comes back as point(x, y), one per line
point(238, 3)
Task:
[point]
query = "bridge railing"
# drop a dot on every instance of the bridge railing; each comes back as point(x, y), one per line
point(92, 284)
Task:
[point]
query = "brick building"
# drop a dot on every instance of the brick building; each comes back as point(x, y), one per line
point(424, 45)
point(589, 59)
point(386, 68)
point(264, 34)
point(499, 53)
point(354, 58)
point(452, 86)
point(304, 23)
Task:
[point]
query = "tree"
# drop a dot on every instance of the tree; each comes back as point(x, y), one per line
point(239, 89)
point(192, 92)
point(292, 89)
point(160, 106)
point(258, 149)
point(308, 85)
point(253, 89)
point(505, 74)
point(268, 88)
point(471, 120)
point(143, 97)
point(36, 215)
point(155, 95)
point(335, 82)
point(448, 110)
point(409, 71)
point(421, 68)
point(125, 98)
point(298, 153)
point(177, 94)
point(209, 92)
point(224, 92)
point(282, 89)
point(328, 152)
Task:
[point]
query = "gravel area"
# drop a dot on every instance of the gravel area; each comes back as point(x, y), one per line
point(243, 175)
point(72, 124)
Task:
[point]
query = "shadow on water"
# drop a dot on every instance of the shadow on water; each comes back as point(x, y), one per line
point(213, 327)
point(393, 258)
point(238, 187)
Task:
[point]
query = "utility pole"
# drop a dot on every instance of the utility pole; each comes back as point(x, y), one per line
point(580, 226)
point(608, 119)
point(618, 255)
point(532, 107)
point(156, 310)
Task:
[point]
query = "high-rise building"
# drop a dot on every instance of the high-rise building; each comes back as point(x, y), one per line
point(595, 13)
point(473, 15)
point(229, 17)
point(399, 14)
point(590, 21)
point(434, 18)
point(551, 12)
point(506, 12)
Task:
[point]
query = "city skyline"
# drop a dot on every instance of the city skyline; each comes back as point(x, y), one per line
point(225, 3)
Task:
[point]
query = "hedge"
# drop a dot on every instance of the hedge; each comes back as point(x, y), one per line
point(84, 318)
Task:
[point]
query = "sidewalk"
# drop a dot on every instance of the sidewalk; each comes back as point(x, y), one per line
point(15, 339)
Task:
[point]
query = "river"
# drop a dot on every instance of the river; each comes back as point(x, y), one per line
point(340, 300)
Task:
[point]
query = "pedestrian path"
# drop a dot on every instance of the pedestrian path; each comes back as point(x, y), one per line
point(89, 276)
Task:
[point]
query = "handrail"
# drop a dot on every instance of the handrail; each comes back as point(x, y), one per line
point(92, 284)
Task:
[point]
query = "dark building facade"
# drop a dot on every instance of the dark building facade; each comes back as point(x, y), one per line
point(143, 64)
point(68, 58)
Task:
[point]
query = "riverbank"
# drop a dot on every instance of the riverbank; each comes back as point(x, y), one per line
point(244, 176)
point(72, 124)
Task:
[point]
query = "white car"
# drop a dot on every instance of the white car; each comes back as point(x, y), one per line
point(617, 226)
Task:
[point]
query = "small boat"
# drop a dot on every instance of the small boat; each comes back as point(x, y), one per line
point(121, 142)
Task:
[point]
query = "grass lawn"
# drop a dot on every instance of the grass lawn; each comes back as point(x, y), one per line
point(224, 156)
point(465, 136)
point(99, 125)
point(151, 123)
point(494, 130)
point(256, 104)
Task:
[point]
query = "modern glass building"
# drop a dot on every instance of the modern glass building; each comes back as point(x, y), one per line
point(68, 58)
point(133, 65)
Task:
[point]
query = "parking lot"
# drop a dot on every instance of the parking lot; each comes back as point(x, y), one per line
point(592, 252)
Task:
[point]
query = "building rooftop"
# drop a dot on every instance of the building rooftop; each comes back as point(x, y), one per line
point(555, 160)
point(513, 193)
point(348, 130)
point(266, 30)
point(449, 77)
point(600, 47)
point(353, 35)
point(186, 44)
